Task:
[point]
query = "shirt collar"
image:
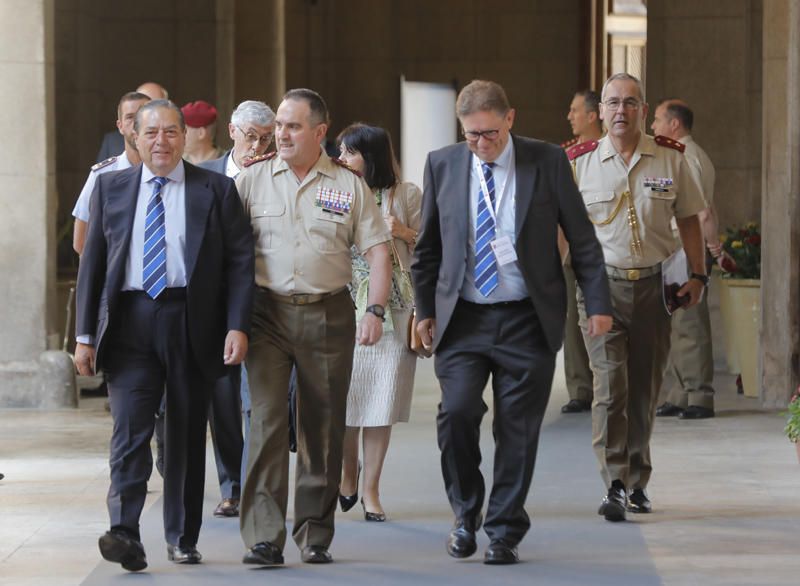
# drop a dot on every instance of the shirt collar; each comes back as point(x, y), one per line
point(175, 176)
point(686, 139)
point(504, 160)
point(323, 165)
point(646, 146)
point(231, 168)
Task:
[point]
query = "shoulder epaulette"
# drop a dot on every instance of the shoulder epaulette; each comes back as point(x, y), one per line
point(668, 142)
point(105, 163)
point(569, 143)
point(341, 163)
point(259, 158)
point(581, 149)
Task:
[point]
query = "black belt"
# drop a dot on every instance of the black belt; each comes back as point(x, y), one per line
point(168, 294)
point(499, 304)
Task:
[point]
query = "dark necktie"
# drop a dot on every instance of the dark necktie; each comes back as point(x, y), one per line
point(154, 275)
point(485, 262)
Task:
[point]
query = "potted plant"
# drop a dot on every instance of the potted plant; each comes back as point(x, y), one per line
point(792, 429)
point(742, 294)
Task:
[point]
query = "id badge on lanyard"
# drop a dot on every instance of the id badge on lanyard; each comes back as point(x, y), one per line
point(502, 247)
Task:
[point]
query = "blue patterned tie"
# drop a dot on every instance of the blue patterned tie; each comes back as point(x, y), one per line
point(485, 262)
point(154, 275)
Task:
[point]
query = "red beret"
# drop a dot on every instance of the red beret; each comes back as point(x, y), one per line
point(199, 114)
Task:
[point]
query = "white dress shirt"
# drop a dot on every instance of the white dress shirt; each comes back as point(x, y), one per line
point(173, 194)
point(511, 284)
point(231, 170)
point(81, 209)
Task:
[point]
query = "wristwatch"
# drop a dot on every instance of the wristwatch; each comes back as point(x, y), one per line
point(702, 278)
point(378, 311)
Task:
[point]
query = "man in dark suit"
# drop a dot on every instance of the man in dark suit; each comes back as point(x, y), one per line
point(491, 299)
point(167, 270)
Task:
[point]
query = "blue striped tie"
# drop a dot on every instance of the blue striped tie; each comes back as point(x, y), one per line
point(485, 262)
point(154, 275)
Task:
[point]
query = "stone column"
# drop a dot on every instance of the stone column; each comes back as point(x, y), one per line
point(27, 207)
point(780, 210)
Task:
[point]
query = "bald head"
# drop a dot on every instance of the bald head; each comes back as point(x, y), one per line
point(154, 90)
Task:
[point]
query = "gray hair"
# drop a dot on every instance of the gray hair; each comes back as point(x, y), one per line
point(481, 95)
point(154, 105)
point(253, 112)
point(623, 77)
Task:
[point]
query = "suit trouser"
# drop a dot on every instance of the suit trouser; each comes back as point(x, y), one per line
point(628, 364)
point(225, 419)
point(148, 350)
point(576, 361)
point(318, 340)
point(506, 342)
point(692, 357)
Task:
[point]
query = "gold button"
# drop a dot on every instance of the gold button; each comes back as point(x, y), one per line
point(633, 274)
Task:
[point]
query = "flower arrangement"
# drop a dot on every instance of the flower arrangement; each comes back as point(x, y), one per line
point(743, 245)
point(792, 429)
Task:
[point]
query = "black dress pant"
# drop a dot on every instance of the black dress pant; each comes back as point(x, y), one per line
point(147, 352)
point(505, 341)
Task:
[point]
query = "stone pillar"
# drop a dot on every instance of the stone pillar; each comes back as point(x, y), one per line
point(27, 201)
point(780, 210)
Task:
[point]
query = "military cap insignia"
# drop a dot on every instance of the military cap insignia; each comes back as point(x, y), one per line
point(341, 163)
point(581, 149)
point(259, 158)
point(569, 143)
point(106, 163)
point(668, 142)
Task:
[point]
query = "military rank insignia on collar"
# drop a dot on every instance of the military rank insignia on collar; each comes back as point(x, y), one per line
point(668, 142)
point(259, 158)
point(333, 200)
point(105, 163)
point(577, 150)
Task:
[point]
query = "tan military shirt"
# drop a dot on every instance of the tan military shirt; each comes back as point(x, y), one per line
point(662, 187)
point(701, 166)
point(304, 230)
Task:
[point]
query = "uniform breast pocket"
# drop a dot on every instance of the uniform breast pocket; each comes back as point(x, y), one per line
point(600, 205)
point(661, 202)
point(267, 219)
point(326, 229)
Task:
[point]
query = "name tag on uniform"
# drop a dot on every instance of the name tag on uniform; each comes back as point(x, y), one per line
point(662, 184)
point(334, 201)
point(504, 250)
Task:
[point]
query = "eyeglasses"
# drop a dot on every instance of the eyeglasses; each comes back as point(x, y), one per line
point(475, 135)
point(627, 103)
point(252, 137)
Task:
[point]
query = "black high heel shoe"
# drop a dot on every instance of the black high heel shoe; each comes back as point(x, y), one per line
point(368, 516)
point(348, 502)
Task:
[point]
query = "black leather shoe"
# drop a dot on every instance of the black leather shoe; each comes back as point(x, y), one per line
point(370, 516)
point(348, 502)
point(117, 547)
point(638, 501)
point(695, 412)
point(614, 503)
point(263, 553)
point(227, 508)
point(668, 410)
point(499, 553)
point(316, 554)
point(576, 406)
point(183, 555)
point(461, 541)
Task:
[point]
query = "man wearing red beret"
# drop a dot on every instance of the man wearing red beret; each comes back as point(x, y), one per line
point(201, 124)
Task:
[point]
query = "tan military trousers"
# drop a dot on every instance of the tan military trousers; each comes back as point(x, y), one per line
point(576, 360)
point(628, 365)
point(318, 339)
point(692, 357)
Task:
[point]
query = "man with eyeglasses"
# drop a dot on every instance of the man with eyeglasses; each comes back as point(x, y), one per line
point(491, 301)
point(633, 185)
point(251, 130)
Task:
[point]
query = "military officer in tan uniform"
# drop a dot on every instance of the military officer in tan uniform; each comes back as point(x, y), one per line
point(691, 350)
point(584, 118)
point(633, 185)
point(307, 210)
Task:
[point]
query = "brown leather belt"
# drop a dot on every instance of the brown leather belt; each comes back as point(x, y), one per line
point(300, 298)
point(632, 274)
